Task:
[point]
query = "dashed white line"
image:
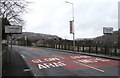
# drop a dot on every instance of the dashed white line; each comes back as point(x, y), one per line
point(89, 66)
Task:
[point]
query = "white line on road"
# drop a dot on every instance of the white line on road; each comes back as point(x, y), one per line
point(17, 50)
point(60, 57)
point(26, 70)
point(89, 66)
point(23, 56)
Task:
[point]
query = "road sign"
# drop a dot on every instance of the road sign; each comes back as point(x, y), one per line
point(107, 30)
point(13, 29)
point(71, 27)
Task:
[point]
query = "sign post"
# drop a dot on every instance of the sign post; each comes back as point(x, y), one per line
point(0, 47)
point(12, 30)
point(107, 31)
point(26, 40)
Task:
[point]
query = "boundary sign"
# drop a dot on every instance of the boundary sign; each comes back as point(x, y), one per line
point(13, 29)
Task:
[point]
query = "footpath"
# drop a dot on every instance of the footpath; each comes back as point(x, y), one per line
point(16, 68)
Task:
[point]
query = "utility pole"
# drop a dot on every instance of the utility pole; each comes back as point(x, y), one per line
point(73, 31)
point(119, 27)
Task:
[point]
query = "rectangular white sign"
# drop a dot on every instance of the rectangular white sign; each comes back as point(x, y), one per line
point(107, 30)
point(13, 29)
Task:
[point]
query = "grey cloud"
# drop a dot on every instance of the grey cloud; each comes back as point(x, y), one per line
point(90, 17)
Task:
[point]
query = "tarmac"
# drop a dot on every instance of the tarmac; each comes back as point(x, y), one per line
point(89, 54)
point(16, 68)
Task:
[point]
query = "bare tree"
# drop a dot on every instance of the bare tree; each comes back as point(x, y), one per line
point(12, 10)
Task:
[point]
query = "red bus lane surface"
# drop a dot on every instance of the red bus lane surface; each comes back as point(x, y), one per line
point(72, 62)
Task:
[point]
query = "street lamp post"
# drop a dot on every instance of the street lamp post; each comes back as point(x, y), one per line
point(73, 24)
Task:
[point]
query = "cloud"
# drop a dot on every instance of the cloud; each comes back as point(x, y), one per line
point(53, 16)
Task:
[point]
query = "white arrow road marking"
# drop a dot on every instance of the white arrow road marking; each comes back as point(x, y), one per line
point(89, 66)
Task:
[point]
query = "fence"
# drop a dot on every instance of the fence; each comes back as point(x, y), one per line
point(106, 50)
point(81, 46)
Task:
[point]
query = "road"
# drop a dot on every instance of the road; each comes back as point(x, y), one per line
point(48, 62)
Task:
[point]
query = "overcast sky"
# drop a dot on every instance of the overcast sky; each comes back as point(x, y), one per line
point(53, 16)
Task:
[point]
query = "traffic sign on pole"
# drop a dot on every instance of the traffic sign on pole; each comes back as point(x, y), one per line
point(13, 29)
point(71, 27)
point(107, 30)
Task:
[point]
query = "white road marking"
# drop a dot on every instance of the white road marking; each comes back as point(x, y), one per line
point(35, 75)
point(23, 56)
point(16, 50)
point(89, 66)
point(26, 70)
point(60, 57)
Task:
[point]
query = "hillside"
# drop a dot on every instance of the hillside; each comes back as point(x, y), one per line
point(35, 36)
point(109, 39)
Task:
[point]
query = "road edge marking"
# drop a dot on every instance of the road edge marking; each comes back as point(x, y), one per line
point(23, 56)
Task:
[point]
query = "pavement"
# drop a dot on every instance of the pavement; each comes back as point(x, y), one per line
point(16, 67)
